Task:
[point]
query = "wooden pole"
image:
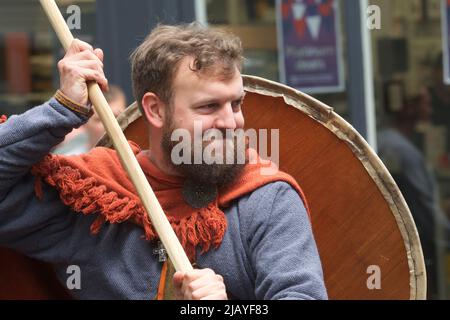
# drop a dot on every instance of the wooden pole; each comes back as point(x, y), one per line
point(129, 162)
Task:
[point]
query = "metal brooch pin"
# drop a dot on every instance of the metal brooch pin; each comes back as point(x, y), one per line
point(161, 252)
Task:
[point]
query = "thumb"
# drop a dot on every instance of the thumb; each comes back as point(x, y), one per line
point(178, 279)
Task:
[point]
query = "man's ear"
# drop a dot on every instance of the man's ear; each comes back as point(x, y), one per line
point(153, 109)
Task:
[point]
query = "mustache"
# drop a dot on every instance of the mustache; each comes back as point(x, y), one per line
point(221, 133)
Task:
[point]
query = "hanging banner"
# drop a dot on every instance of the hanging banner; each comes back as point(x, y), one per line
point(445, 39)
point(309, 47)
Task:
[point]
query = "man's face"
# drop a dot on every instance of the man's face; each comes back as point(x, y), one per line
point(211, 102)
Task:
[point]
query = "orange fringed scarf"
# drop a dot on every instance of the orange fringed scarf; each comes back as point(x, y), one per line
point(96, 183)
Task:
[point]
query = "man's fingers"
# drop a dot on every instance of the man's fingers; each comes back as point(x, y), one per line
point(198, 284)
point(78, 46)
point(201, 286)
point(198, 280)
point(93, 75)
point(89, 64)
point(177, 283)
point(83, 50)
point(198, 273)
point(209, 289)
point(104, 85)
point(96, 76)
point(84, 55)
point(81, 64)
point(216, 296)
point(99, 53)
point(178, 279)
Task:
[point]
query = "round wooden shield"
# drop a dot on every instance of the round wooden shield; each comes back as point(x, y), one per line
point(367, 239)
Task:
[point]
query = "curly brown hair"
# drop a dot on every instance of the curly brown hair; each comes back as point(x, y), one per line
point(155, 62)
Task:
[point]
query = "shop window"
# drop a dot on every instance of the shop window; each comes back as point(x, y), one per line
point(413, 104)
point(255, 22)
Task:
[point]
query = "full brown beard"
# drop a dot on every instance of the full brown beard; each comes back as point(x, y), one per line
point(203, 173)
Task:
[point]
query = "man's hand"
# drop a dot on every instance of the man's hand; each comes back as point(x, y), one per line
point(80, 64)
point(199, 284)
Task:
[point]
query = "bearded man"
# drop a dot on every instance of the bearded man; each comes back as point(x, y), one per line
point(248, 234)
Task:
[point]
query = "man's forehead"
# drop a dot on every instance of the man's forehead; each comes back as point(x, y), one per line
point(200, 83)
point(217, 71)
point(212, 89)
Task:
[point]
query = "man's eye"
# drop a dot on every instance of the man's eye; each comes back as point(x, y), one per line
point(236, 105)
point(210, 106)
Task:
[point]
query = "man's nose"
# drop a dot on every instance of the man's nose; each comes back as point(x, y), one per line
point(225, 118)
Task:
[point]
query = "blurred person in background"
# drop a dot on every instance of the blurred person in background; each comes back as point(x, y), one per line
point(83, 139)
point(416, 181)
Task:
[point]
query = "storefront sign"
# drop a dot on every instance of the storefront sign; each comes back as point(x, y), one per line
point(310, 56)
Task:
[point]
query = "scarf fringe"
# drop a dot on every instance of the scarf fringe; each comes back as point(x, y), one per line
point(203, 228)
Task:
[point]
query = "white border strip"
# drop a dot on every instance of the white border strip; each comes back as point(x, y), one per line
point(200, 12)
point(369, 97)
point(445, 53)
point(280, 42)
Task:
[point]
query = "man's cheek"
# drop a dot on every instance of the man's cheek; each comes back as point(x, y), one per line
point(240, 122)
